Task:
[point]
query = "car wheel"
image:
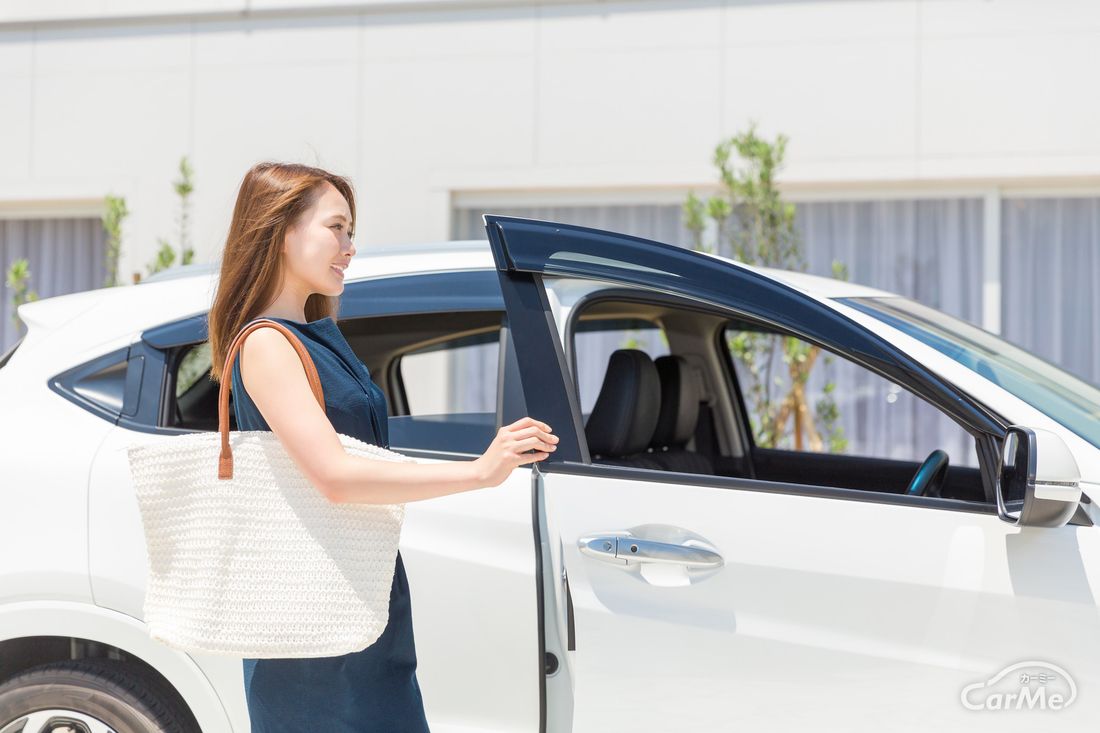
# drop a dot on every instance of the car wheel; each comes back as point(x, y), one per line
point(87, 696)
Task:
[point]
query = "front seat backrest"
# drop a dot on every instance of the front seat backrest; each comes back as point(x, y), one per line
point(621, 424)
point(680, 393)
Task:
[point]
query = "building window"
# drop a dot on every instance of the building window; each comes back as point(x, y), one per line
point(1050, 264)
point(64, 255)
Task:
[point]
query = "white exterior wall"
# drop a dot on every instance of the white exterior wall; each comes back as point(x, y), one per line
point(422, 101)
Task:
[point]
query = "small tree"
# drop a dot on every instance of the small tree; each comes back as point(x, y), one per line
point(166, 255)
point(164, 258)
point(114, 212)
point(184, 187)
point(19, 275)
point(750, 216)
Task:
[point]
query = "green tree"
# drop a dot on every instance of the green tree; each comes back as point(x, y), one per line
point(18, 277)
point(184, 186)
point(165, 257)
point(751, 218)
point(113, 214)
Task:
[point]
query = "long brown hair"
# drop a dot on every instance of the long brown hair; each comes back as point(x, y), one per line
point(271, 198)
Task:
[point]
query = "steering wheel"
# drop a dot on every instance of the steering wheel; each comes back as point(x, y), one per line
point(928, 480)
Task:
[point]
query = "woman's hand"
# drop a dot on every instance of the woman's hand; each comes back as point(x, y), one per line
point(507, 450)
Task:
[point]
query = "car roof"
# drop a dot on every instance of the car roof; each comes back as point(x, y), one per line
point(823, 287)
point(396, 259)
point(119, 314)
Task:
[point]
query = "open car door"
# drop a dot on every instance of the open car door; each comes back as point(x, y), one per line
point(689, 602)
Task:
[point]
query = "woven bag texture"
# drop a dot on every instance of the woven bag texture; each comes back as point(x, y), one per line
point(261, 564)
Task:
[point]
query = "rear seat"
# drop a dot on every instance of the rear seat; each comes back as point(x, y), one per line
point(621, 424)
point(677, 419)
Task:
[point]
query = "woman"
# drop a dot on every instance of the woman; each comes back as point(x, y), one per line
point(289, 240)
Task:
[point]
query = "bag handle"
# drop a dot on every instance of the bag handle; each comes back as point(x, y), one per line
point(225, 460)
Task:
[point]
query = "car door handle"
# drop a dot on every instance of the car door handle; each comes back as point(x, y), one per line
point(623, 549)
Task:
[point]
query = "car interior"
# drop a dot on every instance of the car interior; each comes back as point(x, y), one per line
point(380, 342)
point(683, 411)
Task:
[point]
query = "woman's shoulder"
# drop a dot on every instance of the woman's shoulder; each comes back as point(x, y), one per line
point(271, 335)
point(266, 346)
point(273, 345)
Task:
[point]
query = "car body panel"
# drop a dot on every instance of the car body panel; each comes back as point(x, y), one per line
point(67, 330)
point(826, 615)
point(857, 607)
point(48, 445)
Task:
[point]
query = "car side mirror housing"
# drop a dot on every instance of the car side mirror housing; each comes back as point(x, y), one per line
point(1037, 467)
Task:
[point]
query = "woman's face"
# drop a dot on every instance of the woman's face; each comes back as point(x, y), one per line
point(318, 246)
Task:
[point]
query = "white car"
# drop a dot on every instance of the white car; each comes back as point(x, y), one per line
point(664, 569)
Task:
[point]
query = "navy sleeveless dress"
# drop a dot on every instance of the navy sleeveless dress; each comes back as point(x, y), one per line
point(374, 689)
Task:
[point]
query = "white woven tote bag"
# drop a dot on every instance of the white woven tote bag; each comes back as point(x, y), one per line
point(246, 557)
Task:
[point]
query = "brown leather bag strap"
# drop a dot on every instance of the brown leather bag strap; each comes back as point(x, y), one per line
point(225, 461)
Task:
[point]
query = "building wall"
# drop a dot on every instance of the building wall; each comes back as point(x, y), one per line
point(420, 101)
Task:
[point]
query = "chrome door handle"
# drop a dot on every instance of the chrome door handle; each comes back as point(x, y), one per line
point(623, 549)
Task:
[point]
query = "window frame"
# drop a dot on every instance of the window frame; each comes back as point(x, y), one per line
point(985, 442)
point(66, 383)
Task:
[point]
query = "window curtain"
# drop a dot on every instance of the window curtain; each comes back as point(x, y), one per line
point(1050, 267)
point(63, 256)
point(928, 250)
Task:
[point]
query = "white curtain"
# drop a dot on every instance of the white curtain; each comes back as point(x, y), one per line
point(1050, 270)
point(929, 250)
point(64, 256)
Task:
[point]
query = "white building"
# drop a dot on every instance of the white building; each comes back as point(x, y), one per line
point(947, 149)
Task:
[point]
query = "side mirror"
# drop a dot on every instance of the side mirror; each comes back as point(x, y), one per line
point(1037, 467)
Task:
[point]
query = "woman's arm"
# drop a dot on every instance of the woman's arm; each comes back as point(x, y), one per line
point(276, 381)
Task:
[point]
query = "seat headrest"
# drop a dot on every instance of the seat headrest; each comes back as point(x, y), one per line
point(622, 420)
point(680, 394)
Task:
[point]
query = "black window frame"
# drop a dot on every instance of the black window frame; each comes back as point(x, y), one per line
point(66, 383)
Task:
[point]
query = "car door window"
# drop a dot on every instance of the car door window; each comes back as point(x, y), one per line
point(194, 365)
point(801, 397)
point(448, 385)
point(817, 417)
point(454, 376)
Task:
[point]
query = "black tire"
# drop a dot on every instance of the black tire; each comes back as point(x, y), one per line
point(105, 690)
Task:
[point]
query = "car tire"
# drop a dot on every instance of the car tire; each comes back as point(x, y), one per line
point(92, 696)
